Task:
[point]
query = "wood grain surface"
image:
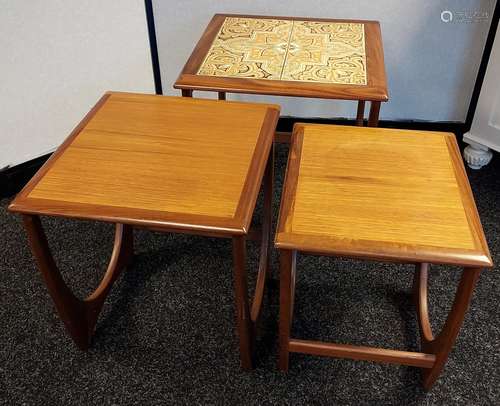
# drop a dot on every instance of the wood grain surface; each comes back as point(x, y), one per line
point(159, 161)
point(382, 194)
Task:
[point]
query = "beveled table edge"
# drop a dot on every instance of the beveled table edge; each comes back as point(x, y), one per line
point(158, 220)
point(378, 250)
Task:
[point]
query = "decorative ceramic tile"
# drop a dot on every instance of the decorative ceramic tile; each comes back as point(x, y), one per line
point(326, 52)
point(275, 49)
point(249, 48)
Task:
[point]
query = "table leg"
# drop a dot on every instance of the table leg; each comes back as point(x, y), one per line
point(265, 241)
point(360, 115)
point(79, 316)
point(247, 317)
point(442, 344)
point(374, 113)
point(222, 95)
point(243, 321)
point(287, 293)
point(187, 93)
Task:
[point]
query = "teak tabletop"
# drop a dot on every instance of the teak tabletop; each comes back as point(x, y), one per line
point(380, 194)
point(285, 56)
point(168, 164)
point(385, 195)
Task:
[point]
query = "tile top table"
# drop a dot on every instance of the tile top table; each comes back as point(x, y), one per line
point(385, 195)
point(165, 163)
point(321, 58)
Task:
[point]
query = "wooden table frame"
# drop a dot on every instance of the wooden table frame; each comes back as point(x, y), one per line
point(435, 349)
point(375, 91)
point(80, 316)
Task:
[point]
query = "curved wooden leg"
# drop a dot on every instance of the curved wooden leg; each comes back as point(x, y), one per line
point(420, 281)
point(265, 247)
point(246, 316)
point(442, 344)
point(187, 93)
point(79, 316)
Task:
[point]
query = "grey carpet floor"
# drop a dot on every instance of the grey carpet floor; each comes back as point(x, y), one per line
point(166, 335)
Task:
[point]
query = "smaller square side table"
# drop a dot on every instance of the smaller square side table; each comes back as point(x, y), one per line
point(384, 195)
point(285, 56)
point(168, 164)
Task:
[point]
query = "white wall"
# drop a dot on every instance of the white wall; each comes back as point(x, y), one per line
point(486, 123)
point(431, 65)
point(58, 58)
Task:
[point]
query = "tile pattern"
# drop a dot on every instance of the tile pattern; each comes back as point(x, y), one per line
point(273, 49)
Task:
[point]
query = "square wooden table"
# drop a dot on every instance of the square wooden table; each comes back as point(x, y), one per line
point(285, 56)
point(168, 164)
point(384, 195)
